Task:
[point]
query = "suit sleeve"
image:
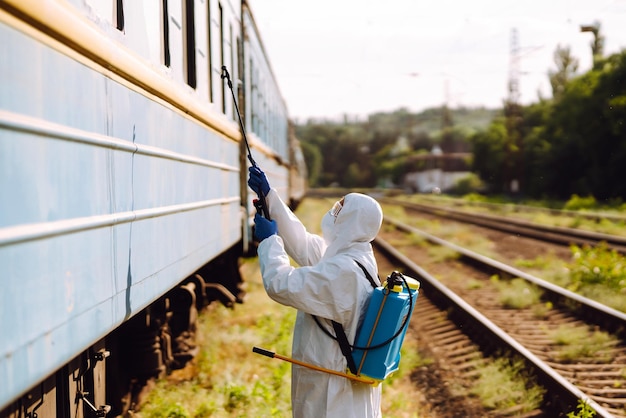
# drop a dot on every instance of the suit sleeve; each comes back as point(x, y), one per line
point(305, 248)
point(329, 289)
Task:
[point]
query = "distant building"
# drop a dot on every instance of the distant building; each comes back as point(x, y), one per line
point(436, 172)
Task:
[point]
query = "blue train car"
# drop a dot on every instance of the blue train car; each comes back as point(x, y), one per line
point(122, 182)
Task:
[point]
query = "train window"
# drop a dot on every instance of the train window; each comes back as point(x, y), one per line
point(252, 104)
point(119, 14)
point(190, 43)
point(166, 33)
point(210, 48)
point(232, 65)
point(222, 56)
point(240, 71)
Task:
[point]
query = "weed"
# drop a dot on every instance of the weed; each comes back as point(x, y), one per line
point(415, 239)
point(583, 411)
point(518, 293)
point(597, 265)
point(503, 384)
point(579, 342)
point(541, 310)
point(168, 409)
point(237, 398)
point(540, 263)
point(441, 254)
point(474, 284)
point(577, 203)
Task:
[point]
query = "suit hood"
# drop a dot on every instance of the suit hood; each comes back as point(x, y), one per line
point(358, 221)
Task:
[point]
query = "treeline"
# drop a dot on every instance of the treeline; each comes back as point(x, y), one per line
point(573, 143)
point(378, 152)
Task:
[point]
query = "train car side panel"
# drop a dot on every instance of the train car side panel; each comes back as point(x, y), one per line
point(116, 208)
point(125, 176)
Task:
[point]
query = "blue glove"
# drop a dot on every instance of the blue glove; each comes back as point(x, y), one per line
point(258, 181)
point(263, 227)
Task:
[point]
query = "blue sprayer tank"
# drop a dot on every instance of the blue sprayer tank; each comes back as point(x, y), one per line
point(388, 314)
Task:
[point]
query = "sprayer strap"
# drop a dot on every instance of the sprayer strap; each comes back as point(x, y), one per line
point(345, 346)
point(369, 277)
point(342, 339)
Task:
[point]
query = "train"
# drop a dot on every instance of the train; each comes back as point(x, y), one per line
point(123, 181)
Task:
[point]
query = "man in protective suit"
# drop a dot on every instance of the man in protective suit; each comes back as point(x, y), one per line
point(328, 284)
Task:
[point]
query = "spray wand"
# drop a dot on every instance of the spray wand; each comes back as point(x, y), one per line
point(356, 378)
point(260, 204)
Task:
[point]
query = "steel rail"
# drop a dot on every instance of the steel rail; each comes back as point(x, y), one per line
point(558, 235)
point(603, 316)
point(511, 207)
point(563, 395)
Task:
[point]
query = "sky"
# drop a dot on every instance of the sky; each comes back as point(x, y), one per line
point(357, 57)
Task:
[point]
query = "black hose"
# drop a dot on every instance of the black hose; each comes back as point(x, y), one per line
point(404, 323)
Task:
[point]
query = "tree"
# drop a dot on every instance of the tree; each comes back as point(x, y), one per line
point(359, 154)
point(566, 67)
point(587, 134)
point(490, 150)
point(535, 148)
point(314, 162)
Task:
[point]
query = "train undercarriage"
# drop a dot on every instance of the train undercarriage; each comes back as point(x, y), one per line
point(110, 378)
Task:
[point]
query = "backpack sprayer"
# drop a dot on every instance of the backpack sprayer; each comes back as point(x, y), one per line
point(259, 204)
point(378, 341)
point(376, 350)
point(375, 354)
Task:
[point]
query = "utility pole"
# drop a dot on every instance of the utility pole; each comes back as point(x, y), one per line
point(597, 46)
point(447, 138)
point(514, 68)
point(513, 115)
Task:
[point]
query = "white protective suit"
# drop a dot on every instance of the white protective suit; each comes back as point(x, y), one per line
point(330, 285)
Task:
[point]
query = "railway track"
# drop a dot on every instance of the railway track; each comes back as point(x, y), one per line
point(515, 208)
point(597, 377)
point(558, 235)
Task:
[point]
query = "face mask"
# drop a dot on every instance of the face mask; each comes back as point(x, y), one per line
point(328, 227)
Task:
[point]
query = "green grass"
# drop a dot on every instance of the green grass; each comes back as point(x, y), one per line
point(226, 379)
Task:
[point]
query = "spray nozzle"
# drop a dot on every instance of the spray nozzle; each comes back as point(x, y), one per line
point(226, 76)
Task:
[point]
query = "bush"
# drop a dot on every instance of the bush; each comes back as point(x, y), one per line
point(469, 184)
point(597, 266)
point(577, 203)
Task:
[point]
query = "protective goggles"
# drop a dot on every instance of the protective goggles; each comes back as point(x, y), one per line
point(336, 209)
